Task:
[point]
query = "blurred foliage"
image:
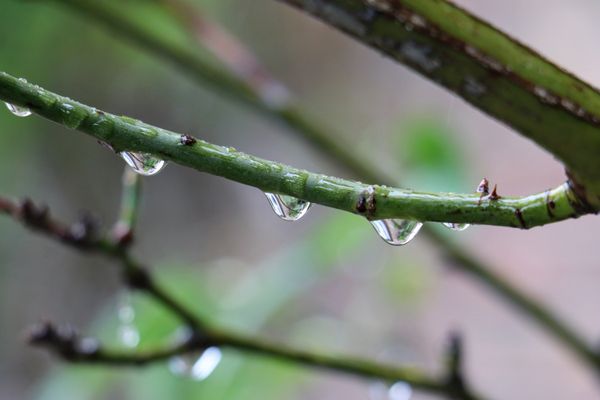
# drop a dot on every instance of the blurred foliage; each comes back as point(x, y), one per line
point(430, 155)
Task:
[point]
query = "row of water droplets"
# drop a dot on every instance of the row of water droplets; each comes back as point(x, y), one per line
point(197, 365)
point(394, 231)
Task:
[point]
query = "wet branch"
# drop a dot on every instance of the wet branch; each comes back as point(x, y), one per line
point(371, 201)
point(69, 345)
point(203, 72)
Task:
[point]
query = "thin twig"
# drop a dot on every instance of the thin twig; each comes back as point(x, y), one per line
point(123, 231)
point(70, 346)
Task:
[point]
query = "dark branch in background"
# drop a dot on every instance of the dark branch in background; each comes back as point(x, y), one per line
point(69, 345)
point(231, 52)
point(202, 72)
point(487, 68)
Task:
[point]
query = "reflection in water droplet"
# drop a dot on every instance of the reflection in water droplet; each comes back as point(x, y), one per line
point(398, 391)
point(128, 333)
point(455, 226)
point(143, 163)
point(397, 232)
point(197, 366)
point(18, 110)
point(287, 207)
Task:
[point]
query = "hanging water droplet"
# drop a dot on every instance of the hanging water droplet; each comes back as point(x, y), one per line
point(197, 365)
point(455, 226)
point(287, 207)
point(143, 163)
point(18, 110)
point(398, 391)
point(397, 232)
point(127, 332)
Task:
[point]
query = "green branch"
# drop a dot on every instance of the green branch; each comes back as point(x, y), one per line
point(373, 202)
point(222, 81)
point(201, 71)
point(487, 68)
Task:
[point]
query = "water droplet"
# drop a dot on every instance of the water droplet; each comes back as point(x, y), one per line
point(128, 333)
point(287, 207)
point(397, 232)
point(18, 110)
point(143, 163)
point(398, 391)
point(456, 226)
point(197, 365)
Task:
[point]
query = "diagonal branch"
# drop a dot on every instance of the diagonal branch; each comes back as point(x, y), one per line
point(73, 348)
point(373, 202)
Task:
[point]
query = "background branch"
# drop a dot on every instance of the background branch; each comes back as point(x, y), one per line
point(69, 345)
point(487, 68)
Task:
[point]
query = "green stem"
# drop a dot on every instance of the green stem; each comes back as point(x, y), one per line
point(130, 203)
point(373, 202)
point(484, 66)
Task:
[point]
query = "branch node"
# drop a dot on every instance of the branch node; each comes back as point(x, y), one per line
point(137, 278)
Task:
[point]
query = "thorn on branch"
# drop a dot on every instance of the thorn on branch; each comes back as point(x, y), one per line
point(188, 140)
point(484, 187)
point(494, 195)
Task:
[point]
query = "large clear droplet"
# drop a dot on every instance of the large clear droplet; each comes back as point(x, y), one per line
point(398, 391)
point(143, 163)
point(397, 232)
point(455, 226)
point(287, 207)
point(127, 332)
point(18, 110)
point(197, 366)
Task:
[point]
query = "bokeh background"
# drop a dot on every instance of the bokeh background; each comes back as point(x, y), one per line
point(325, 283)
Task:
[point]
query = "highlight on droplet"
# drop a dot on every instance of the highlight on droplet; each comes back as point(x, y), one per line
point(196, 365)
point(455, 226)
point(287, 208)
point(18, 110)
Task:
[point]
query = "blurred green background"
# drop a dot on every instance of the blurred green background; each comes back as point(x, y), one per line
point(325, 283)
